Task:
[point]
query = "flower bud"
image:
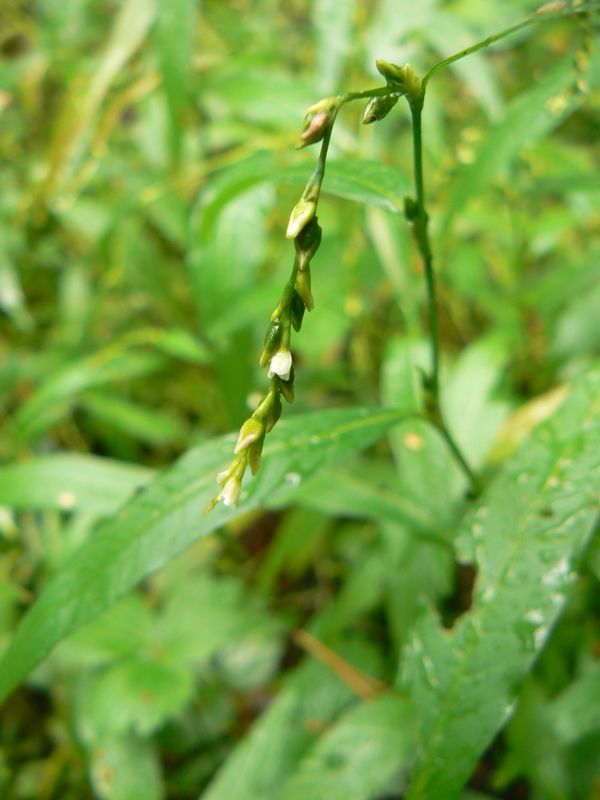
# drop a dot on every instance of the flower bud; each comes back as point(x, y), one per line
point(274, 411)
point(379, 107)
point(303, 287)
point(230, 493)
point(230, 481)
point(252, 430)
point(405, 78)
point(254, 454)
point(319, 118)
point(393, 74)
point(272, 341)
point(411, 81)
point(281, 364)
point(307, 242)
point(297, 309)
point(302, 213)
point(286, 387)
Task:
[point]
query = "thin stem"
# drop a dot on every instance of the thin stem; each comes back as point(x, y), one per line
point(460, 459)
point(422, 239)
point(479, 46)
point(541, 15)
point(421, 232)
point(380, 91)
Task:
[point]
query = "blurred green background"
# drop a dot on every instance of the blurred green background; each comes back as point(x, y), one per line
point(147, 174)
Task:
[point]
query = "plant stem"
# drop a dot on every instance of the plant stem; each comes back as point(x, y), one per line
point(541, 15)
point(420, 227)
point(422, 239)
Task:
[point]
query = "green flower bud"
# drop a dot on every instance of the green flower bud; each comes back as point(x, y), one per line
point(251, 431)
point(318, 120)
point(393, 74)
point(411, 81)
point(274, 411)
point(405, 78)
point(297, 309)
point(379, 107)
point(307, 242)
point(254, 454)
point(287, 387)
point(302, 213)
point(272, 341)
point(303, 287)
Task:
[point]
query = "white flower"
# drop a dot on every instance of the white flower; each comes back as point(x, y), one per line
point(230, 493)
point(281, 364)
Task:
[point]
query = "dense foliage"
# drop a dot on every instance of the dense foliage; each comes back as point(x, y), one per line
point(361, 626)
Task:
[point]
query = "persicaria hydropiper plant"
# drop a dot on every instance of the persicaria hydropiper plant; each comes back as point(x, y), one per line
point(303, 228)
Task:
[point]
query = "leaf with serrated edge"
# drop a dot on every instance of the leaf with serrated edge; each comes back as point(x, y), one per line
point(524, 535)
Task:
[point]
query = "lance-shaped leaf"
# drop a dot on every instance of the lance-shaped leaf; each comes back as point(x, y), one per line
point(525, 536)
point(167, 516)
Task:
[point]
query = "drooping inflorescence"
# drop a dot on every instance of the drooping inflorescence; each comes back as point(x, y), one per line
point(297, 297)
point(295, 300)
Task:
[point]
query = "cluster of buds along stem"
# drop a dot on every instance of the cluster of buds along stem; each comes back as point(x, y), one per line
point(248, 448)
point(295, 300)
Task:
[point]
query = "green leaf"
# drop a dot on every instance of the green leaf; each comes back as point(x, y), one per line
point(264, 97)
point(134, 419)
point(299, 537)
point(332, 22)
point(358, 179)
point(72, 128)
point(122, 631)
point(228, 184)
point(168, 516)
point(534, 113)
point(574, 712)
point(134, 696)
point(340, 494)
point(71, 482)
point(175, 37)
point(565, 184)
point(125, 768)
point(429, 476)
point(525, 535)
point(310, 699)
point(12, 299)
point(179, 343)
point(473, 414)
point(358, 755)
point(228, 615)
point(52, 401)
